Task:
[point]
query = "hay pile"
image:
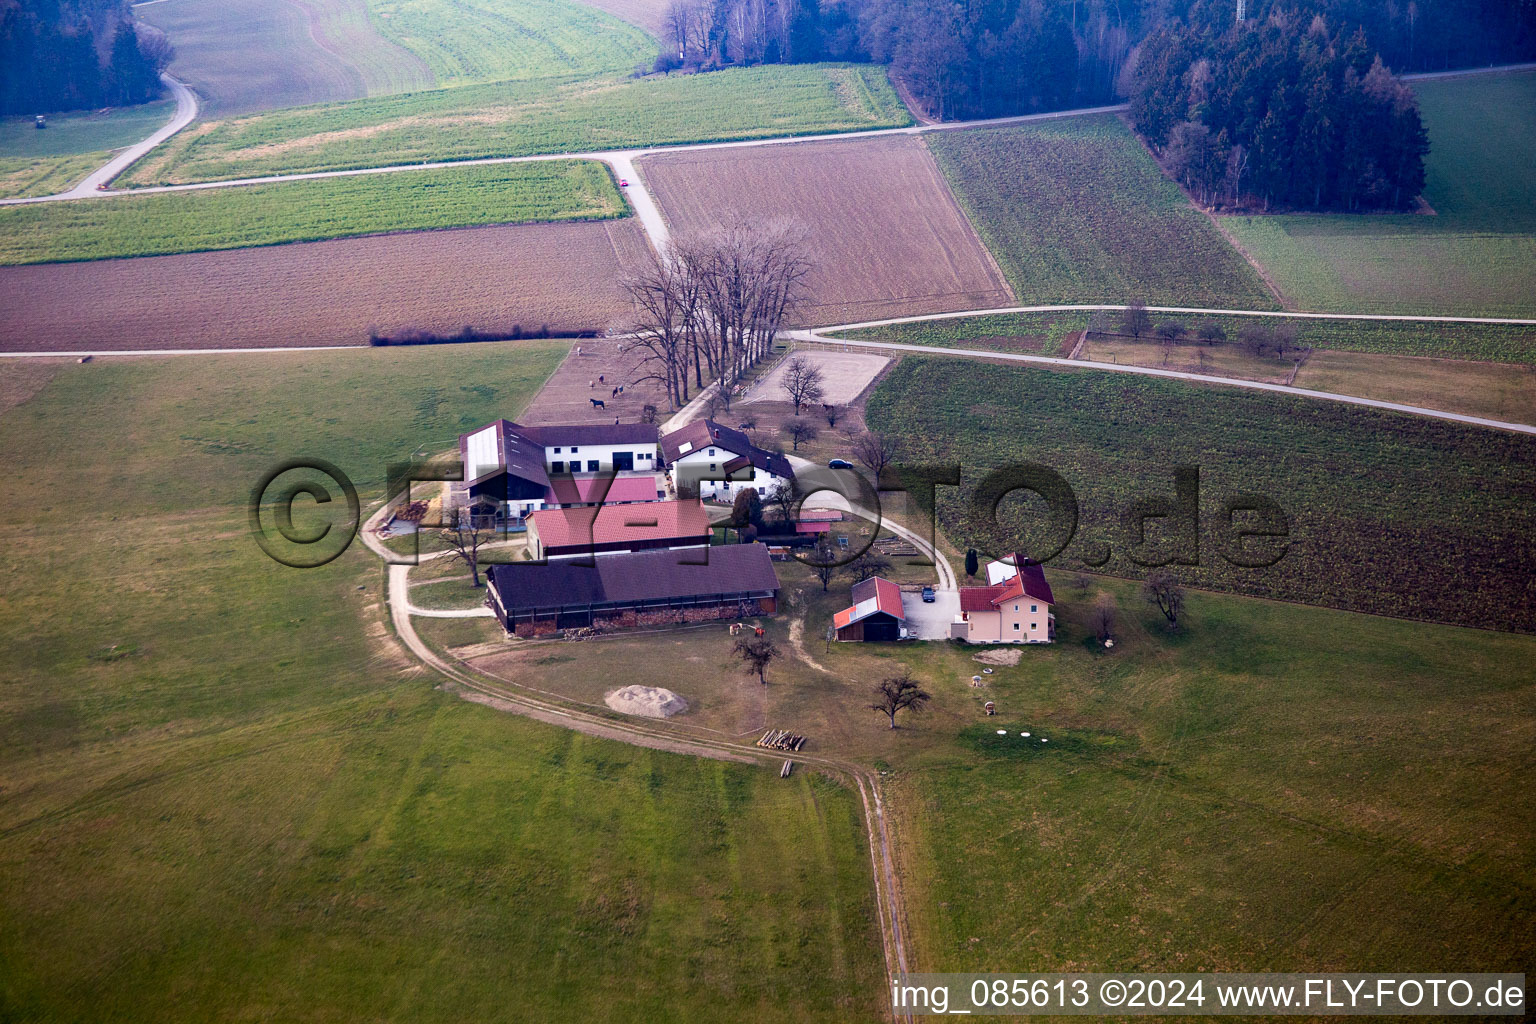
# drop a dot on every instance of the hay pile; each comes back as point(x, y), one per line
point(646, 701)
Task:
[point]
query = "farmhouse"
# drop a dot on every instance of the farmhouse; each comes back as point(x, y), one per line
point(875, 615)
point(720, 462)
point(601, 530)
point(634, 589)
point(511, 471)
point(1014, 607)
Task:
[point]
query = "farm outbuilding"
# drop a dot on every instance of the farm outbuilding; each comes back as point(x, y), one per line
point(876, 614)
point(630, 590)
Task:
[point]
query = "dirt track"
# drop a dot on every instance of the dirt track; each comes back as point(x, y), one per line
point(326, 293)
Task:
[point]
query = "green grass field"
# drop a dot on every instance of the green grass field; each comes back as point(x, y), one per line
point(1238, 797)
point(1475, 256)
point(1378, 503)
point(79, 132)
point(503, 40)
point(522, 118)
point(246, 55)
point(1076, 211)
point(228, 793)
point(299, 211)
point(40, 163)
point(1279, 788)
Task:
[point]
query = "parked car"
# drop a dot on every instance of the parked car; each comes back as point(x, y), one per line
point(839, 464)
point(623, 183)
point(928, 595)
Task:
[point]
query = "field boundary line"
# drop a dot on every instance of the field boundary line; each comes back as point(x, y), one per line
point(1150, 371)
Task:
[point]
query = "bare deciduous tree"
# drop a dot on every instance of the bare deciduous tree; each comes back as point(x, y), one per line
point(899, 693)
point(874, 451)
point(867, 566)
point(1163, 590)
point(757, 652)
point(833, 413)
point(823, 564)
point(803, 381)
point(710, 307)
point(466, 535)
point(799, 432)
point(1135, 320)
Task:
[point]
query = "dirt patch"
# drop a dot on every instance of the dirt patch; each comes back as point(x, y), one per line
point(567, 396)
point(24, 378)
point(1006, 658)
point(887, 236)
point(646, 702)
point(845, 376)
point(326, 293)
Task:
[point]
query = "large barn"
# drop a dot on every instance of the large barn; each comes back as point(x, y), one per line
point(644, 588)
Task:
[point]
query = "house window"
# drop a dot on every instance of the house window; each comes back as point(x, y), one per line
point(1015, 627)
point(557, 467)
point(711, 451)
point(557, 451)
point(1032, 625)
point(1015, 608)
point(591, 465)
point(1032, 610)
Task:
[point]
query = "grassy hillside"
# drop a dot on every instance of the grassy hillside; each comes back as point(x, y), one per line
point(502, 40)
point(246, 55)
point(1278, 788)
point(232, 218)
point(1474, 256)
point(1076, 211)
point(227, 791)
point(521, 118)
point(1379, 504)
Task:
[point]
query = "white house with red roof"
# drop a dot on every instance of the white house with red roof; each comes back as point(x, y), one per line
point(875, 615)
point(1014, 607)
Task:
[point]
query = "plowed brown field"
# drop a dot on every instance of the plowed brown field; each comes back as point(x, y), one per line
point(883, 227)
point(326, 293)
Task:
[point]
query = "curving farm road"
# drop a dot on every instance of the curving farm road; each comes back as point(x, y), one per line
point(505, 696)
point(92, 186)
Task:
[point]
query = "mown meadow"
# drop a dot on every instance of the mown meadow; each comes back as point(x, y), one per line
point(1075, 210)
point(300, 211)
point(1472, 252)
point(227, 791)
point(1384, 513)
point(505, 40)
point(567, 115)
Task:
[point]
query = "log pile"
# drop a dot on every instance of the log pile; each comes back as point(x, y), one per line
point(781, 739)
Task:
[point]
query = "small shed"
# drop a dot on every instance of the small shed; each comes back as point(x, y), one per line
point(876, 614)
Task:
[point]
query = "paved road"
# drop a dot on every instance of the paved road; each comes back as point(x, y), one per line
point(1149, 371)
point(186, 110)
